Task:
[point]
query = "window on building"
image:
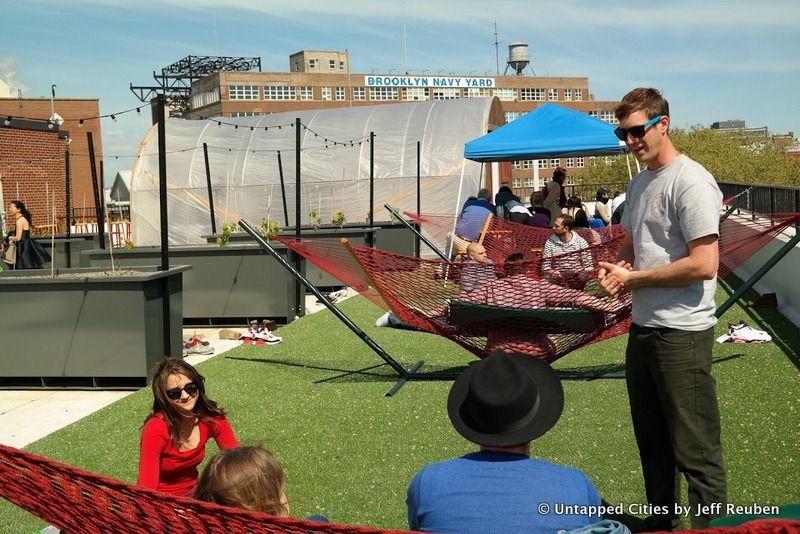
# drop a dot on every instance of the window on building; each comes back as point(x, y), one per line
point(579, 162)
point(593, 113)
point(531, 93)
point(235, 114)
point(312, 64)
point(243, 92)
point(415, 93)
point(475, 92)
point(516, 183)
point(507, 95)
point(326, 93)
point(609, 117)
point(552, 95)
point(341, 65)
point(527, 181)
point(541, 163)
point(554, 163)
point(306, 92)
point(567, 95)
point(359, 93)
point(578, 95)
point(332, 64)
point(279, 92)
point(570, 163)
point(205, 98)
point(383, 93)
point(511, 115)
point(340, 94)
point(446, 93)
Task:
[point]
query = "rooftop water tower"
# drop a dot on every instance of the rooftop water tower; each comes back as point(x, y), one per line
point(518, 58)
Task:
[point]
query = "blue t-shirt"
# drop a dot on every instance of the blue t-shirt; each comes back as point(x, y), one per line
point(486, 492)
point(472, 220)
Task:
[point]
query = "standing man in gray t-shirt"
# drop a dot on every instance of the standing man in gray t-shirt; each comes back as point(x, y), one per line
point(669, 260)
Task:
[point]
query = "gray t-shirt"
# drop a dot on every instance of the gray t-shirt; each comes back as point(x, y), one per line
point(666, 209)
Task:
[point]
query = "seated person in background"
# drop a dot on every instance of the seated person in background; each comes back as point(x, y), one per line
point(574, 268)
point(478, 271)
point(601, 207)
point(517, 290)
point(174, 435)
point(577, 211)
point(244, 477)
point(541, 215)
point(501, 403)
point(470, 223)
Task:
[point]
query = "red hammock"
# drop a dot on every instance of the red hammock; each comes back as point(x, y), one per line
point(78, 501)
point(528, 316)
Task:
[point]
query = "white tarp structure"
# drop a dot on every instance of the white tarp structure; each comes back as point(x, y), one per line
point(335, 166)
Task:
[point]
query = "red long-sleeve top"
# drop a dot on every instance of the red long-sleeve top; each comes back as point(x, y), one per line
point(163, 467)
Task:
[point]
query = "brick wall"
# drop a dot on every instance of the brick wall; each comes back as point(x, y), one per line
point(32, 167)
point(72, 110)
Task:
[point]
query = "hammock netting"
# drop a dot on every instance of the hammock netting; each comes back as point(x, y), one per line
point(79, 501)
point(540, 306)
point(75, 500)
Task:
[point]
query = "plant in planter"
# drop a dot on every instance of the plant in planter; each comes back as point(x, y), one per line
point(316, 220)
point(227, 230)
point(269, 228)
point(338, 219)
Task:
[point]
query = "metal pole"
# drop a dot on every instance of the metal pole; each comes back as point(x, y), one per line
point(419, 195)
point(162, 179)
point(298, 290)
point(166, 312)
point(210, 193)
point(283, 191)
point(69, 208)
point(418, 234)
point(785, 249)
point(371, 235)
point(97, 207)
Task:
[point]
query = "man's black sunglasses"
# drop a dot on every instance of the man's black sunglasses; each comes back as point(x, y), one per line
point(636, 131)
point(191, 389)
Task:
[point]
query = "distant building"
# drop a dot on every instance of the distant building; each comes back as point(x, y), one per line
point(738, 127)
point(322, 79)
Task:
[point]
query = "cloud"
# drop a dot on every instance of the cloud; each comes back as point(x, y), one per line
point(8, 73)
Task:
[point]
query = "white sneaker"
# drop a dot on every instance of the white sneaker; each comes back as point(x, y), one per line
point(383, 320)
point(266, 336)
point(742, 333)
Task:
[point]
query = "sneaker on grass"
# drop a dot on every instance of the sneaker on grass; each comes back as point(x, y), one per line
point(198, 348)
point(741, 332)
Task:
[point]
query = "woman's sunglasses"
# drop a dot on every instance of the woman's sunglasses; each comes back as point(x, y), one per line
point(191, 389)
point(636, 131)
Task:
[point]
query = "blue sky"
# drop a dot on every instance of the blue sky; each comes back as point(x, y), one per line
point(714, 60)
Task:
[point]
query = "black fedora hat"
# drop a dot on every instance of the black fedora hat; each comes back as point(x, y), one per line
point(506, 399)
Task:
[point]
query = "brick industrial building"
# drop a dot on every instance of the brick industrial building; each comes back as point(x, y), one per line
point(322, 79)
point(32, 155)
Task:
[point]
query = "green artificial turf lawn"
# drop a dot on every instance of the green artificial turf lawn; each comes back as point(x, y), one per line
point(317, 401)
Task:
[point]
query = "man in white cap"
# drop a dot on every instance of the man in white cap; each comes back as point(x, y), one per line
point(502, 403)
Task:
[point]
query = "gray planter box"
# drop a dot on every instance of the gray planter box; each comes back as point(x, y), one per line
point(87, 331)
point(226, 285)
point(73, 245)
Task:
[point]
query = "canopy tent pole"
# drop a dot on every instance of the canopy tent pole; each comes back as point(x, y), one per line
point(371, 235)
point(419, 194)
point(457, 208)
point(298, 291)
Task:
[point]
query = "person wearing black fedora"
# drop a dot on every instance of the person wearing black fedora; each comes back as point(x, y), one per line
point(502, 403)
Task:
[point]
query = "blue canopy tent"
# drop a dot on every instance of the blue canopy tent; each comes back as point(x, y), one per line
point(548, 131)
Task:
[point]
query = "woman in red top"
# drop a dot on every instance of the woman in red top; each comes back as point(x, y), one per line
point(174, 436)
